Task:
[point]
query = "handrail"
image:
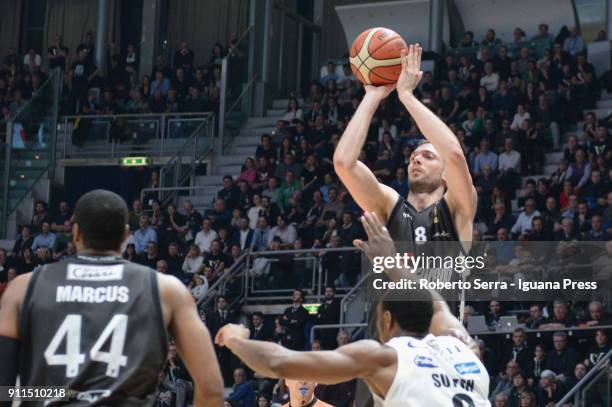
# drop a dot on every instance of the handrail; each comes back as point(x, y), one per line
point(230, 272)
point(248, 29)
point(585, 379)
point(350, 294)
point(192, 142)
point(239, 98)
point(540, 331)
point(144, 191)
point(147, 115)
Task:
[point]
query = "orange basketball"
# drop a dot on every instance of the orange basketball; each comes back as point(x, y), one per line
point(375, 56)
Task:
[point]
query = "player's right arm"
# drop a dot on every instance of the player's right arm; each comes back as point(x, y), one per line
point(364, 359)
point(363, 186)
point(193, 342)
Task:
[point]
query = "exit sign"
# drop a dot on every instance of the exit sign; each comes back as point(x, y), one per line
point(135, 161)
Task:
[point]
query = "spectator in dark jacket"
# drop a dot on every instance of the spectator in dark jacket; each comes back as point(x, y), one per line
point(562, 360)
point(294, 320)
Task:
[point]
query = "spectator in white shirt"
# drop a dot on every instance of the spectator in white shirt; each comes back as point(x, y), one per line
point(200, 288)
point(193, 260)
point(510, 159)
point(523, 224)
point(205, 236)
point(490, 79)
point(519, 117)
point(293, 111)
point(32, 60)
point(286, 233)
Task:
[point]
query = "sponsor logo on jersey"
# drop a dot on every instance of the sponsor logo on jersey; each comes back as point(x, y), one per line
point(443, 234)
point(467, 368)
point(93, 395)
point(88, 272)
point(407, 216)
point(424, 361)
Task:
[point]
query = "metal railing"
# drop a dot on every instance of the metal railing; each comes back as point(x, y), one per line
point(237, 80)
point(579, 393)
point(178, 173)
point(119, 135)
point(30, 143)
point(259, 276)
point(219, 286)
point(157, 193)
point(348, 302)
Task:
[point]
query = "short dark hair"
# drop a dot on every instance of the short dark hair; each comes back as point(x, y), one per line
point(412, 316)
point(101, 216)
point(258, 314)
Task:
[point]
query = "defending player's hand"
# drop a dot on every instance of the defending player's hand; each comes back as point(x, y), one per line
point(380, 92)
point(379, 240)
point(411, 70)
point(229, 332)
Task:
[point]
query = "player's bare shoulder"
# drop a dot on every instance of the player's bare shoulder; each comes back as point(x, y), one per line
point(173, 294)
point(10, 305)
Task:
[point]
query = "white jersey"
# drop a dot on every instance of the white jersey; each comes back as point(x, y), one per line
point(436, 371)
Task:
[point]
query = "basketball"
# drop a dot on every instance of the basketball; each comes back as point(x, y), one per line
point(375, 56)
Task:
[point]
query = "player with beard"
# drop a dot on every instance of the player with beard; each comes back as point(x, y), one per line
point(441, 201)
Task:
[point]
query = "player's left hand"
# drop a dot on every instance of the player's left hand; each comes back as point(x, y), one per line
point(411, 70)
point(229, 332)
point(379, 240)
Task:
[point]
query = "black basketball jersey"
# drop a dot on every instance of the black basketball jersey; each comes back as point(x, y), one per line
point(434, 223)
point(94, 325)
point(411, 229)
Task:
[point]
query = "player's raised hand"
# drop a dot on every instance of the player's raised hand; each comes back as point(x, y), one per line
point(229, 332)
point(379, 240)
point(411, 70)
point(380, 92)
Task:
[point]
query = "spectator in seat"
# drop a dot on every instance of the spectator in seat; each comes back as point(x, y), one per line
point(58, 53)
point(328, 314)
point(504, 380)
point(270, 210)
point(175, 261)
point(144, 235)
point(293, 111)
point(216, 259)
point(538, 233)
point(288, 187)
point(272, 191)
point(567, 232)
point(561, 317)
point(24, 241)
point(520, 352)
point(261, 235)
point(62, 239)
point(330, 75)
point(524, 221)
point(205, 236)
point(600, 348)
point(285, 232)
point(151, 257)
point(258, 330)
point(243, 236)
point(333, 205)
point(574, 44)
point(32, 61)
point(194, 103)
point(484, 157)
point(45, 238)
point(596, 315)
point(183, 57)
point(193, 260)
point(490, 79)
point(80, 76)
point(287, 164)
point(543, 35)
point(294, 320)
point(519, 387)
point(579, 372)
point(63, 215)
point(551, 390)
point(501, 219)
point(229, 192)
point(562, 360)
point(215, 320)
point(494, 315)
point(501, 400)
point(580, 170)
point(160, 84)
point(468, 40)
point(40, 216)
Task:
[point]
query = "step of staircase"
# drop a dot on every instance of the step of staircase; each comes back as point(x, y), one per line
point(245, 151)
point(604, 104)
point(233, 170)
point(256, 122)
point(233, 159)
point(243, 141)
point(554, 157)
point(283, 103)
point(209, 180)
point(256, 132)
point(276, 112)
point(550, 168)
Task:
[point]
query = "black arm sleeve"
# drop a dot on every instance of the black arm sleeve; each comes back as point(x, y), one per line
point(9, 349)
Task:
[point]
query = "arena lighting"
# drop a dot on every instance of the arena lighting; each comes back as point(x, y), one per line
point(134, 161)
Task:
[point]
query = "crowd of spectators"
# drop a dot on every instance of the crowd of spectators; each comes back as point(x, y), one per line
point(508, 104)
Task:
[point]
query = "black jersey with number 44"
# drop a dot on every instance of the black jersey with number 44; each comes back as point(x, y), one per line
point(93, 325)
